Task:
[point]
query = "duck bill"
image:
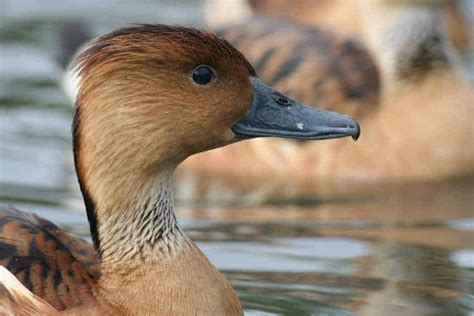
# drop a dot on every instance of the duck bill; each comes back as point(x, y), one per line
point(274, 115)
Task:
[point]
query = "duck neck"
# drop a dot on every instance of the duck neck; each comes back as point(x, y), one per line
point(407, 39)
point(131, 214)
point(144, 251)
point(145, 230)
point(127, 192)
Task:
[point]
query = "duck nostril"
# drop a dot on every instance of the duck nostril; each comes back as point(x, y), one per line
point(283, 101)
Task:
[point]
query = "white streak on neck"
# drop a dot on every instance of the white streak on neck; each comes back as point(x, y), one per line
point(145, 233)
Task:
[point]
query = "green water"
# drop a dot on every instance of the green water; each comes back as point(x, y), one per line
point(403, 251)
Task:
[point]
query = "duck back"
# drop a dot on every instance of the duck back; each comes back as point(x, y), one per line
point(53, 264)
point(310, 64)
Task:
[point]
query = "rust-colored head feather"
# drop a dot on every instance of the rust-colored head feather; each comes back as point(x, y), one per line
point(147, 69)
point(142, 39)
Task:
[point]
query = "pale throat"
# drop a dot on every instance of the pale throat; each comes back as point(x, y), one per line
point(145, 228)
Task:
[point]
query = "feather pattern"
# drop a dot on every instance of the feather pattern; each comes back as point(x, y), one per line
point(50, 262)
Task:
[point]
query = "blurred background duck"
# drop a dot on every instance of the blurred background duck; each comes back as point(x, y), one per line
point(149, 96)
point(341, 15)
point(403, 80)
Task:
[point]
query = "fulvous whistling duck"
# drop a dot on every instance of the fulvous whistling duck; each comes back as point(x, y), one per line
point(149, 96)
point(341, 15)
point(407, 89)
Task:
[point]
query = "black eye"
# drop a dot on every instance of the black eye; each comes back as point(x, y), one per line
point(203, 75)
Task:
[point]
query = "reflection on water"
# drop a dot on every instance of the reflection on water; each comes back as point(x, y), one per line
point(391, 250)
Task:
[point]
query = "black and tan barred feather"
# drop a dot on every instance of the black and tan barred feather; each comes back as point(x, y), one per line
point(55, 265)
point(312, 65)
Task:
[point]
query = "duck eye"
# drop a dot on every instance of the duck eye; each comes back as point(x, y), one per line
point(203, 75)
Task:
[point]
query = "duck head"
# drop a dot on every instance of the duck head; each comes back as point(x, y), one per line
point(151, 95)
point(155, 87)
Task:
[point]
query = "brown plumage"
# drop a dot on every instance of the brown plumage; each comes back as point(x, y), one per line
point(54, 264)
point(16, 300)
